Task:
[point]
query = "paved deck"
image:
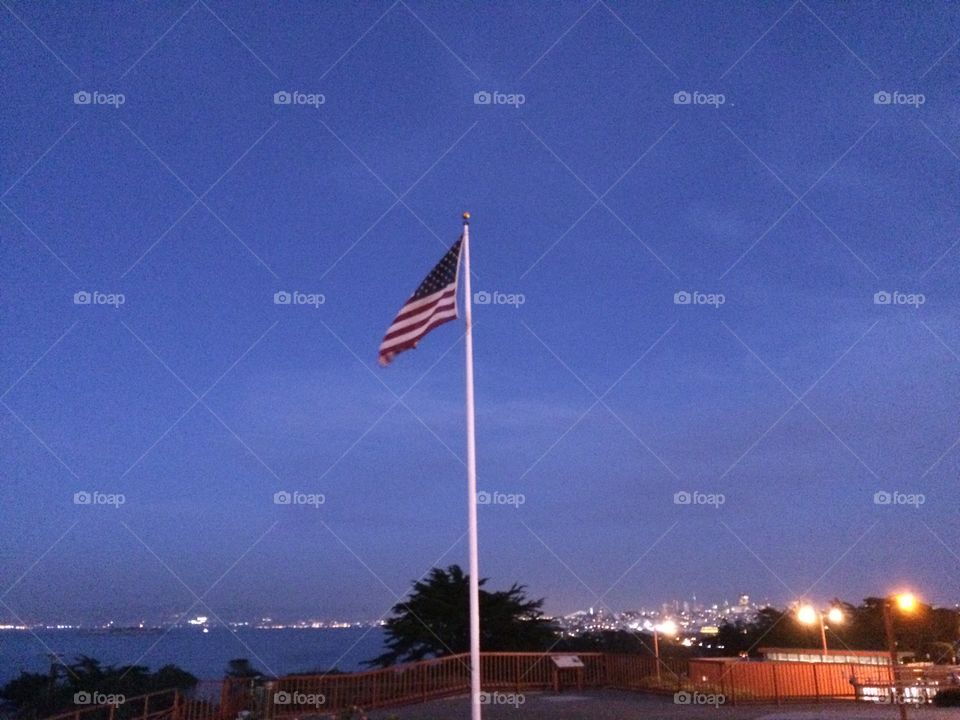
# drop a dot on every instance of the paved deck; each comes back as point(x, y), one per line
point(613, 705)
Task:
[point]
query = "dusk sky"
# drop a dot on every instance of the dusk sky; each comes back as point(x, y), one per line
point(815, 166)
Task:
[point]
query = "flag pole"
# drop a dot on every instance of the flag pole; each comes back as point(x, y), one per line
point(471, 485)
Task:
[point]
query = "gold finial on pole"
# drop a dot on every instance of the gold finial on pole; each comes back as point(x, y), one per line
point(466, 217)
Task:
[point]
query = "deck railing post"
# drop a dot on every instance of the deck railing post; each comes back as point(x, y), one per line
point(733, 685)
point(269, 689)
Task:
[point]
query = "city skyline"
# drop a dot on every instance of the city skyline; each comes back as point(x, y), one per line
point(673, 608)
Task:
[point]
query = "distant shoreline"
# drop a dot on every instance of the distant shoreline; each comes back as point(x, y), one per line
point(273, 650)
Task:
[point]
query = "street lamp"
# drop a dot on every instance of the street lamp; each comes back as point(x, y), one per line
point(670, 628)
point(809, 615)
point(905, 602)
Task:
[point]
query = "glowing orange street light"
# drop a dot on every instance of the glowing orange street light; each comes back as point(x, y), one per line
point(670, 628)
point(808, 615)
point(906, 602)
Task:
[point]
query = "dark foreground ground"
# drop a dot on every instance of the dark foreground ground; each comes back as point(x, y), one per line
point(612, 705)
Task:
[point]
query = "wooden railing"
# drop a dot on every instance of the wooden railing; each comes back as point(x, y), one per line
point(780, 682)
point(737, 681)
point(162, 705)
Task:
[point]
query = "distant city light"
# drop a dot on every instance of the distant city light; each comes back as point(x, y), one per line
point(667, 627)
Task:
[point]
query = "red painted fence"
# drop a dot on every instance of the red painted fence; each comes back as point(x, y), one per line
point(296, 695)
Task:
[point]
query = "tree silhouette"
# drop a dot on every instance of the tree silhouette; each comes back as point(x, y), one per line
point(435, 620)
point(41, 694)
point(241, 668)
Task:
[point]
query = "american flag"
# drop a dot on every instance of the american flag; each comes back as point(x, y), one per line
point(432, 304)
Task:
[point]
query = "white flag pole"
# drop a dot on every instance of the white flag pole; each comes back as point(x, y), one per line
point(471, 485)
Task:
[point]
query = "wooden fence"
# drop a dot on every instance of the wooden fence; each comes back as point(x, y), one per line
point(738, 681)
point(780, 682)
point(162, 705)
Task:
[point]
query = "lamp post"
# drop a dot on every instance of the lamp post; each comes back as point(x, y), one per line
point(809, 615)
point(670, 628)
point(906, 602)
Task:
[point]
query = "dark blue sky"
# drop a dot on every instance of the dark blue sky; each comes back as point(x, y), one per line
point(598, 199)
